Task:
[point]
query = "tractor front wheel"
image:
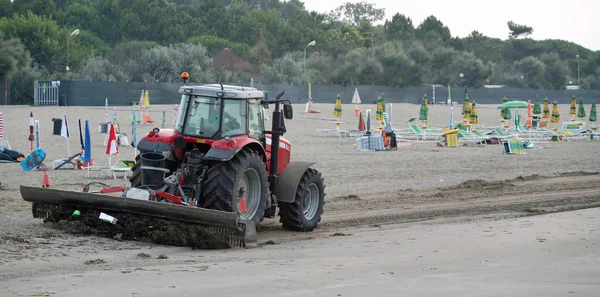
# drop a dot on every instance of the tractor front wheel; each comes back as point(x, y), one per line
point(304, 214)
point(244, 177)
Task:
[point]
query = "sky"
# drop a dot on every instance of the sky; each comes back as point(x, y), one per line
point(570, 20)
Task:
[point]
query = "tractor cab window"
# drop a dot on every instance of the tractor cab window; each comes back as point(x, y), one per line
point(255, 119)
point(200, 116)
point(234, 118)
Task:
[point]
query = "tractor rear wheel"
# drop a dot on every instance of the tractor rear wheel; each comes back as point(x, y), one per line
point(225, 183)
point(304, 214)
point(136, 173)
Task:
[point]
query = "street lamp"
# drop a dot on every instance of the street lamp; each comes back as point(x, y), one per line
point(577, 56)
point(312, 43)
point(75, 32)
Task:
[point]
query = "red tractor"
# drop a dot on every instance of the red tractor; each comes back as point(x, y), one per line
point(220, 157)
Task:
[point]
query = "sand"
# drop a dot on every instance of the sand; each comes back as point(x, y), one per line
point(550, 255)
point(410, 178)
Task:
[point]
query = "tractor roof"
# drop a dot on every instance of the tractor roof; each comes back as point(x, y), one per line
point(225, 91)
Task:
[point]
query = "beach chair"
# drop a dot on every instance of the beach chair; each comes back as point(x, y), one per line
point(147, 119)
point(469, 136)
point(532, 133)
point(122, 139)
point(59, 163)
point(138, 120)
point(4, 144)
point(123, 167)
point(513, 146)
point(421, 133)
point(120, 166)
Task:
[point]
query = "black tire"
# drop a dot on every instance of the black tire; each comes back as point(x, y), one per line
point(136, 173)
point(220, 186)
point(292, 215)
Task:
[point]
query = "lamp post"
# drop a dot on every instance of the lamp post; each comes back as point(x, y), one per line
point(75, 32)
point(577, 56)
point(310, 44)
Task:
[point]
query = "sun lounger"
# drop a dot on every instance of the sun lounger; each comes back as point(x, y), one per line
point(147, 119)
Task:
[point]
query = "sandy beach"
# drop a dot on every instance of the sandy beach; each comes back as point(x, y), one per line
point(416, 183)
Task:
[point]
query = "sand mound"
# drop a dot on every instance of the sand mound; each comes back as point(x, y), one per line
point(136, 227)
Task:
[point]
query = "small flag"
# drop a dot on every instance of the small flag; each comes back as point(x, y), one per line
point(112, 147)
point(64, 129)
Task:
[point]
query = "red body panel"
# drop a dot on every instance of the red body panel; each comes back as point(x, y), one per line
point(169, 135)
point(236, 142)
point(285, 153)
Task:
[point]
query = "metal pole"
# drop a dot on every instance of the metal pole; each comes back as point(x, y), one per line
point(578, 72)
point(68, 39)
point(305, 59)
point(577, 57)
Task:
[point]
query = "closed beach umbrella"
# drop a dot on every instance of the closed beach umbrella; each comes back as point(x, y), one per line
point(529, 122)
point(175, 114)
point(164, 119)
point(146, 101)
point(1, 127)
point(31, 137)
point(379, 112)
point(507, 115)
point(581, 110)
point(555, 115)
point(502, 111)
point(537, 108)
point(423, 111)
point(546, 109)
point(474, 119)
point(337, 110)
point(134, 131)
point(361, 122)
point(573, 108)
point(368, 121)
point(466, 112)
point(593, 112)
point(87, 144)
point(382, 105)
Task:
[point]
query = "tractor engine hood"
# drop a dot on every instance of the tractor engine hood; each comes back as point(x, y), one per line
point(158, 142)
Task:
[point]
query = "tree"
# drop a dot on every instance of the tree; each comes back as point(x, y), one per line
point(517, 30)
point(532, 70)
point(260, 54)
point(399, 28)
point(41, 36)
point(431, 25)
point(357, 13)
point(13, 58)
point(555, 74)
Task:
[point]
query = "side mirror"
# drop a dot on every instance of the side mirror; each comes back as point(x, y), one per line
point(288, 111)
point(280, 95)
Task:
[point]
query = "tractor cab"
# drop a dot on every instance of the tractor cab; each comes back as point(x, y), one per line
point(217, 111)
